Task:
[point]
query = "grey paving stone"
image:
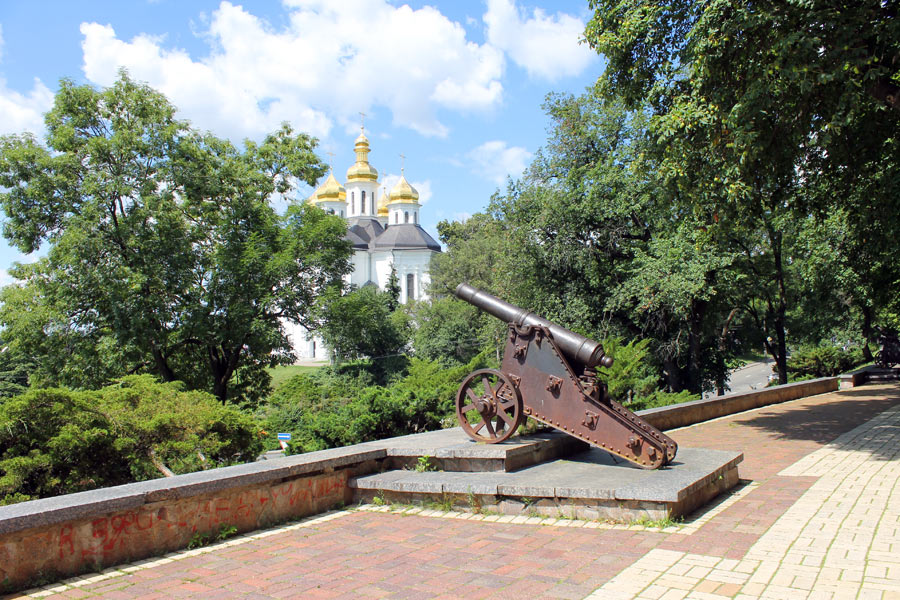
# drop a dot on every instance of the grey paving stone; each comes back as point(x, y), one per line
point(588, 475)
point(471, 483)
point(526, 490)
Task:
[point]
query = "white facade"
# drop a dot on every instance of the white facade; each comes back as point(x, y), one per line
point(385, 234)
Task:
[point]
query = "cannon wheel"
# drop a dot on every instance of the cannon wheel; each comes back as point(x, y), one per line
point(488, 406)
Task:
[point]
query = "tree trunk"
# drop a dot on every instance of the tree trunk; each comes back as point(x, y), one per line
point(867, 332)
point(887, 92)
point(722, 347)
point(694, 375)
point(781, 310)
point(216, 368)
point(222, 363)
point(673, 376)
point(162, 366)
point(160, 465)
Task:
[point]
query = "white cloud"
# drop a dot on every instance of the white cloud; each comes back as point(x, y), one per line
point(331, 61)
point(24, 112)
point(495, 160)
point(423, 187)
point(545, 46)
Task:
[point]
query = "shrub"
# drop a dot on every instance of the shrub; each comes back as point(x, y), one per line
point(58, 441)
point(660, 398)
point(822, 361)
point(631, 379)
point(325, 410)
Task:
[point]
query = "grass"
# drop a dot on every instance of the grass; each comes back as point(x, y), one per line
point(423, 464)
point(657, 523)
point(282, 373)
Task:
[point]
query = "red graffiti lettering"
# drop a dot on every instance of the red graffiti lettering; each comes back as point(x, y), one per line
point(222, 506)
point(98, 528)
point(66, 541)
point(143, 521)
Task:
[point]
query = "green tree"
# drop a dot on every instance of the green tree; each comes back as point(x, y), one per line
point(392, 289)
point(610, 254)
point(335, 406)
point(360, 324)
point(764, 114)
point(481, 251)
point(446, 331)
point(163, 244)
point(15, 369)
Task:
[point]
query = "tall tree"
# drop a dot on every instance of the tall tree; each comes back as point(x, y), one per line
point(761, 112)
point(162, 240)
point(612, 253)
point(362, 324)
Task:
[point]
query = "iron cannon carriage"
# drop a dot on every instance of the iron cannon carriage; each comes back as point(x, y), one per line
point(549, 373)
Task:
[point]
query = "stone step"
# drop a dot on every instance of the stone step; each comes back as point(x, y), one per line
point(590, 484)
point(451, 450)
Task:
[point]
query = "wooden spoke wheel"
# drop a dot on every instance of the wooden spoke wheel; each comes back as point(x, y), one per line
point(488, 406)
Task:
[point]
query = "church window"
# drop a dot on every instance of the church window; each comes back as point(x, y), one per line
point(406, 217)
point(362, 204)
point(397, 217)
point(415, 218)
point(342, 213)
point(410, 287)
point(372, 204)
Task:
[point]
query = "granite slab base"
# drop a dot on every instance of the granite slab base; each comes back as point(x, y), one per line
point(590, 484)
point(452, 450)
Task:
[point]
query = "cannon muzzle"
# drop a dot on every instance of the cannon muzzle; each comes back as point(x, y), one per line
point(577, 348)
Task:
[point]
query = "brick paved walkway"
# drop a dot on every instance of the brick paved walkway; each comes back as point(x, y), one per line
point(820, 518)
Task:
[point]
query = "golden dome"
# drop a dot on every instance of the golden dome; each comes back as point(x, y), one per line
point(331, 191)
point(403, 193)
point(383, 204)
point(361, 169)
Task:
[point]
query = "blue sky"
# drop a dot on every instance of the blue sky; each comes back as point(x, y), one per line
point(454, 86)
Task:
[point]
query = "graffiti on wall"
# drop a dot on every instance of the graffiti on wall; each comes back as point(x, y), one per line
point(172, 523)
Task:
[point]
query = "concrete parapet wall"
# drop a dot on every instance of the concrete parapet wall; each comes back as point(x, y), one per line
point(689, 413)
point(48, 539)
point(53, 538)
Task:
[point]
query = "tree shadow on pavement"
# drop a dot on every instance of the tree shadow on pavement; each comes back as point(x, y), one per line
point(823, 423)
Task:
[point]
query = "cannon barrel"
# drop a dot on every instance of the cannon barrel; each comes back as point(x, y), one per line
point(577, 347)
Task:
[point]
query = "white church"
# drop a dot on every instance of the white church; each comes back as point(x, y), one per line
point(385, 234)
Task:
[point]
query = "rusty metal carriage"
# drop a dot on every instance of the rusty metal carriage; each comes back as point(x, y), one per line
point(549, 374)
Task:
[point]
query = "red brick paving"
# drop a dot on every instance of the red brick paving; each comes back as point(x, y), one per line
point(381, 555)
point(775, 437)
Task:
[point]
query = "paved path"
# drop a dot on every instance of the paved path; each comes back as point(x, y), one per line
point(819, 517)
point(752, 376)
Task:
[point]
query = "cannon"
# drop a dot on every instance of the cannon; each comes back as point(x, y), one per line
point(549, 373)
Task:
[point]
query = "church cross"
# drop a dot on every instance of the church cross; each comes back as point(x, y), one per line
point(402, 162)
